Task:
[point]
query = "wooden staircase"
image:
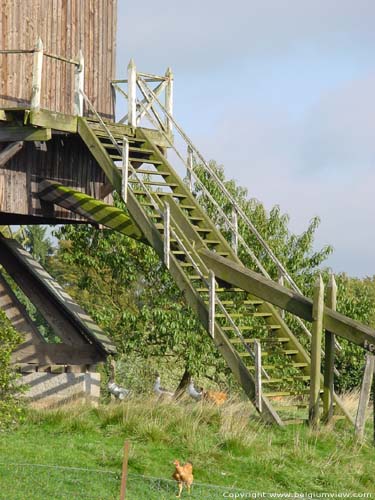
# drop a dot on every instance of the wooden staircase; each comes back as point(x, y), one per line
point(240, 318)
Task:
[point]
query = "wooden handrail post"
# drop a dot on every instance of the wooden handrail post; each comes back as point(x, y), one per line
point(212, 303)
point(364, 397)
point(235, 230)
point(37, 76)
point(167, 234)
point(316, 351)
point(125, 169)
point(79, 85)
point(281, 282)
point(132, 94)
point(169, 100)
point(258, 374)
point(189, 170)
point(329, 361)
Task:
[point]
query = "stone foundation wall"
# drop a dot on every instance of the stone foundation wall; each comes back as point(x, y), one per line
point(55, 389)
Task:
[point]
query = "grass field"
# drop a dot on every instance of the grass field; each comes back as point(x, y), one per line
point(77, 453)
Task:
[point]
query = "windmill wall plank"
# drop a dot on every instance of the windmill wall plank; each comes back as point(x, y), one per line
point(65, 26)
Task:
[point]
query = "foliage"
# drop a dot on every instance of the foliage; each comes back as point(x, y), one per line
point(10, 406)
point(35, 240)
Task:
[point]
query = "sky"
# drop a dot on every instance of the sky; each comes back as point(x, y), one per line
point(280, 92)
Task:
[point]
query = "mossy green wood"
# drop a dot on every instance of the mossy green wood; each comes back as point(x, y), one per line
point(24, 133)
point(92, 209)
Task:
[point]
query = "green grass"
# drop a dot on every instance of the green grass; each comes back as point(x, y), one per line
point(229, 448)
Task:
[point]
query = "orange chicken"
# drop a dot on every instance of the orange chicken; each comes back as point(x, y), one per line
point(183, 474)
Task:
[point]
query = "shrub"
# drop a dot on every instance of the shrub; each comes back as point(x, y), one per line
point(10, 403)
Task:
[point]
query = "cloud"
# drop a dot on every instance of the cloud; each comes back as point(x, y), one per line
point(202, 35)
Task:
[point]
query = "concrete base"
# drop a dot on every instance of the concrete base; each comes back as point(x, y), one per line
point(46, 390)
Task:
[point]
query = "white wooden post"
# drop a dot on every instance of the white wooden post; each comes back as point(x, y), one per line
point(132, 94)
point(190, 168)
point(37, 75)
point(235, 230)
point(258, 374)
point(167, 234)
point(169, 100)
point(212, 303)
point(125, 169)
point(79, 85)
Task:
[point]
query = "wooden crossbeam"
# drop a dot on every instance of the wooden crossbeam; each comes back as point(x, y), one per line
point(293, 302)
point(57, 354)
point(9, 151)
point(11, 134)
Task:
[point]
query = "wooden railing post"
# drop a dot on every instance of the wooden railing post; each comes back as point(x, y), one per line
point(167, 234)
point(212, 303)
point(316, 351)
point(79, 85)
point(364, 397)
point(235, 230)
point(258, 374)
point(132, 94)
point(281, 282)
point(37, 76)
point(329, 360)
point(125, 169)
point(169, 100)
point(189, 171)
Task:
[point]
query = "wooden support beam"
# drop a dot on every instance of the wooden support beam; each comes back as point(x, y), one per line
point(316, 352)
point(9, 151)
point(53, 120)
point(79, 84)
point(368, 375)
point(17, 314)
point(329, 361)
point(14, 134)
point(263, 288)
point(56, 354)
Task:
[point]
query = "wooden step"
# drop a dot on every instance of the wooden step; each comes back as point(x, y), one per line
point(152, 172)
point(262, 341)
point(154, 183)
point(249, 328)
point(137, 160)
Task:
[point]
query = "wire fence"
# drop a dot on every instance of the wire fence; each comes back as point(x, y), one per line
point(32, 481)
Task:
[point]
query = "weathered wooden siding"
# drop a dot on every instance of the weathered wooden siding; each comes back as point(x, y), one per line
point(65, 26)
point(66, 160)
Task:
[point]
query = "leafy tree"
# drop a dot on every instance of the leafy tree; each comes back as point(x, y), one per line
point(10, 405)
point(36, 242)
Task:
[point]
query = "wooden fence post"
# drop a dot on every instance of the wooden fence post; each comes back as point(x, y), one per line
point(281, 282)
point(124, 477)
point(125, 169)
point(364, 397)
point(132, 94)
point(37, 76)
point(329, 362)
point(169, 100)
point(79, 82)
point(316, 351)
point(167, 234)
